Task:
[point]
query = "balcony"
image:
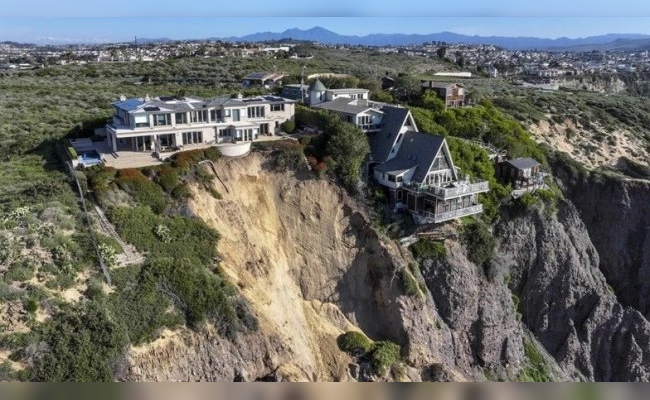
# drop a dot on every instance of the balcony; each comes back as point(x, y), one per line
point(426, 217)
point(370, 127)
point(446, 193)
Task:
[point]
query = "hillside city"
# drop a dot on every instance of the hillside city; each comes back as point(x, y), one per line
point(485, 60)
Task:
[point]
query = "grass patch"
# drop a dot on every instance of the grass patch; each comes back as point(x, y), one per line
point(382, 355)
point(478, 241)
point(535, 369)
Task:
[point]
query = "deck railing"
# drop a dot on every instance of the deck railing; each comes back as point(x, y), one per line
point(453, 192)
point(449, 215)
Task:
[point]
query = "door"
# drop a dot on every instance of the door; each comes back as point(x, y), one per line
point(235, 115)
point(264, 129)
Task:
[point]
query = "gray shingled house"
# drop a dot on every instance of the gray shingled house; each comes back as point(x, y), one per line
point(419, 172)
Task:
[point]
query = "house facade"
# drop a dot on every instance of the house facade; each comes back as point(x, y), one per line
point(418, 170)
point(166, 124)
point(453, 94)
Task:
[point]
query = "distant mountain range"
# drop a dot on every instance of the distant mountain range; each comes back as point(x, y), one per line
point(326, 36)
point(612, 41)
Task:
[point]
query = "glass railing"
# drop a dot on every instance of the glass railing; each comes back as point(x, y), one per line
point(449, 215)
point(445, 193)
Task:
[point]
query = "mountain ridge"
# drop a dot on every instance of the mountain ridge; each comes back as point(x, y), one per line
point(326, 36)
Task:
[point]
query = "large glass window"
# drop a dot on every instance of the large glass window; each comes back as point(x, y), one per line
point(277, 107)
point(192, 137)
point(181, 118)
point(256, 112)
point(216, 116)
point(141, 121)
point(162, 119)
point(199, 116)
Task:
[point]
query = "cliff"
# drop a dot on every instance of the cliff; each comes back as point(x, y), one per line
point(306, 258)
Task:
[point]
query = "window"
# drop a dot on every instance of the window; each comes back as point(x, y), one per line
point(141, 120)
point(399, 137)
point(227, 112)
point(199, 116)
point(162, 119)
point(277, 107)
point(365, 120)
point(192, 137)
point(216, 115)
point(181, 118)
point(256, 112)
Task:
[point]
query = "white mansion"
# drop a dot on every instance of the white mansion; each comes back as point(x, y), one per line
point(167, 124)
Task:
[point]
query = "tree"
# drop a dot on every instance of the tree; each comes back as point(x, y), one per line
point(431, 101)
point(442, 50)
point(348, 147)
point(407, 88)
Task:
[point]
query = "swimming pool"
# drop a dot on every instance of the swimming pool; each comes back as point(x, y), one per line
point(91, 157)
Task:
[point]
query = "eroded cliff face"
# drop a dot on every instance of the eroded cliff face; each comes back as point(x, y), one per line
point(565, 299)
point(306, 259)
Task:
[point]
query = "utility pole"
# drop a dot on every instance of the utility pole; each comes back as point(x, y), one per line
point(302, 84)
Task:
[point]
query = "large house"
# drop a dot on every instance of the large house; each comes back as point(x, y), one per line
point(419, 172)
point(166, 124)
point(266, 80)
point(453, 94)
point(351, 104)
point(522, 173)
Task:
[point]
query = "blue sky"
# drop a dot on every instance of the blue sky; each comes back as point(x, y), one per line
point(32, 20)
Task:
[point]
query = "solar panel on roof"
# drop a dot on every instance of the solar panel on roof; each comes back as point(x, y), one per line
point(152, 109)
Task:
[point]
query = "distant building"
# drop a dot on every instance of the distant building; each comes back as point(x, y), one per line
point(453, 94)
point(295, 92)
point(521, 173)
point(266, 80)
point(387, 83)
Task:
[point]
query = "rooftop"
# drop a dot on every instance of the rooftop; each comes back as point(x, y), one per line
point(347, 106)
point(523, 163)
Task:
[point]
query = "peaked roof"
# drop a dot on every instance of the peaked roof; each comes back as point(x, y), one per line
point(382, 142)
point(440, 85)
point(523, 163)
point(317, 86)
point(418, 149)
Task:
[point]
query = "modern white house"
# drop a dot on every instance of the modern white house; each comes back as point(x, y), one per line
point(163, 125)
point(419, 172)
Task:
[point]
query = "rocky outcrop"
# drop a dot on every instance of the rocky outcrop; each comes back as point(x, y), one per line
point(566, 301)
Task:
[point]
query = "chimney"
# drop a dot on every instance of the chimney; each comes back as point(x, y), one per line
point(147, 98)
point(122, 97)
point(240, 96)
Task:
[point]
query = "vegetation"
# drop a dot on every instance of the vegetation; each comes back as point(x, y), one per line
point(409, 282)
point(478, 241)
point(354, 343)
point(382, 355)
point(342, 148)
point(535, 369)
point(428, 249)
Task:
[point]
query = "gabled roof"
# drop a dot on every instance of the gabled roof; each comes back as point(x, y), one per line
point(418, 149)
point(523, 163)
point(382, 142)
point(317, 86)
point(346, 105)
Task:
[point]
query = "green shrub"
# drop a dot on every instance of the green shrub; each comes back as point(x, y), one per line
point(167, 178)
point(384, 355)
point(288, 126)
point(409, 282)
point(479, 242)
point(426, 248)
point(354, 343)
point(83, 344)
point(20, 271)
point(143, 190)
point(31, 306)
point(181, 192)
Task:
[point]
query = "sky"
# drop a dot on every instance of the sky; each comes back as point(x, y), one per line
point(120, 20)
